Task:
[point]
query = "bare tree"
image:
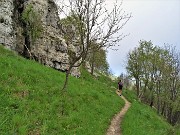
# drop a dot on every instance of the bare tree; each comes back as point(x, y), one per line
point(92, 22)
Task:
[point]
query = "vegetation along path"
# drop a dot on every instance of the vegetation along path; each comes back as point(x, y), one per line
point(114, 128)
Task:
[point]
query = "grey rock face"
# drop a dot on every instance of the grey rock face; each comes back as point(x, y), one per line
point(50, 49)
point(6, 23)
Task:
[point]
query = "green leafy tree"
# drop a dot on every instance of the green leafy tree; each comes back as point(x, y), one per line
point(97, 59)
point(134, 68)
point(156, 71)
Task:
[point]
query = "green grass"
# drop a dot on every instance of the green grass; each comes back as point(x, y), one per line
point(31, 100)
point(31, 103)
point(143, 120)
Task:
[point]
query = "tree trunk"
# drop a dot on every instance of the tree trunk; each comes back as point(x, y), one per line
point(151, 103)
point(66, 79)
point(92, 68)
point(176, 118)
point(137, 87)
point(63, 91)
point(163, 108)
point(92, 64)
point(158, 97)
point(158, 104)
point(170, 115)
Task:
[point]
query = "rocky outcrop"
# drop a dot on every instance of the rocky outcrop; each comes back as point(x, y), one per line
point(6, 23)
point(50, 49)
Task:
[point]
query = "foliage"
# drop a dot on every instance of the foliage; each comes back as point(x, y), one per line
point(101, 61)
point(97, 59)
point(32, 19)
point(156, 71)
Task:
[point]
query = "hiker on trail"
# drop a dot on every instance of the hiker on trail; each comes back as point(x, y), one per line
point(120, 86)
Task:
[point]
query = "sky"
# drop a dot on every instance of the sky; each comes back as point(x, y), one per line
point(155, 20)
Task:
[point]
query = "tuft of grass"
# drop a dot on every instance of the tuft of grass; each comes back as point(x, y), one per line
point(31, 100)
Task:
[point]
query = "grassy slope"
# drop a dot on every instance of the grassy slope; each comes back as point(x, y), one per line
point(142, 120)
point(30, 100)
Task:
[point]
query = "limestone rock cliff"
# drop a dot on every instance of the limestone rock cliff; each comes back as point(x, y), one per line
point(6, 23)
point(50, 49)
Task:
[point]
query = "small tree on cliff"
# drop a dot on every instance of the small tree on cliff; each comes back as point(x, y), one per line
point(93, 22)
point(32, 28)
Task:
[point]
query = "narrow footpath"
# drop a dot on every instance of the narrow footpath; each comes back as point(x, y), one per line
point(115, 127)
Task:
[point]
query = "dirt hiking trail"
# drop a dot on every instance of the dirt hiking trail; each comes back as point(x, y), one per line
point(115, 128)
